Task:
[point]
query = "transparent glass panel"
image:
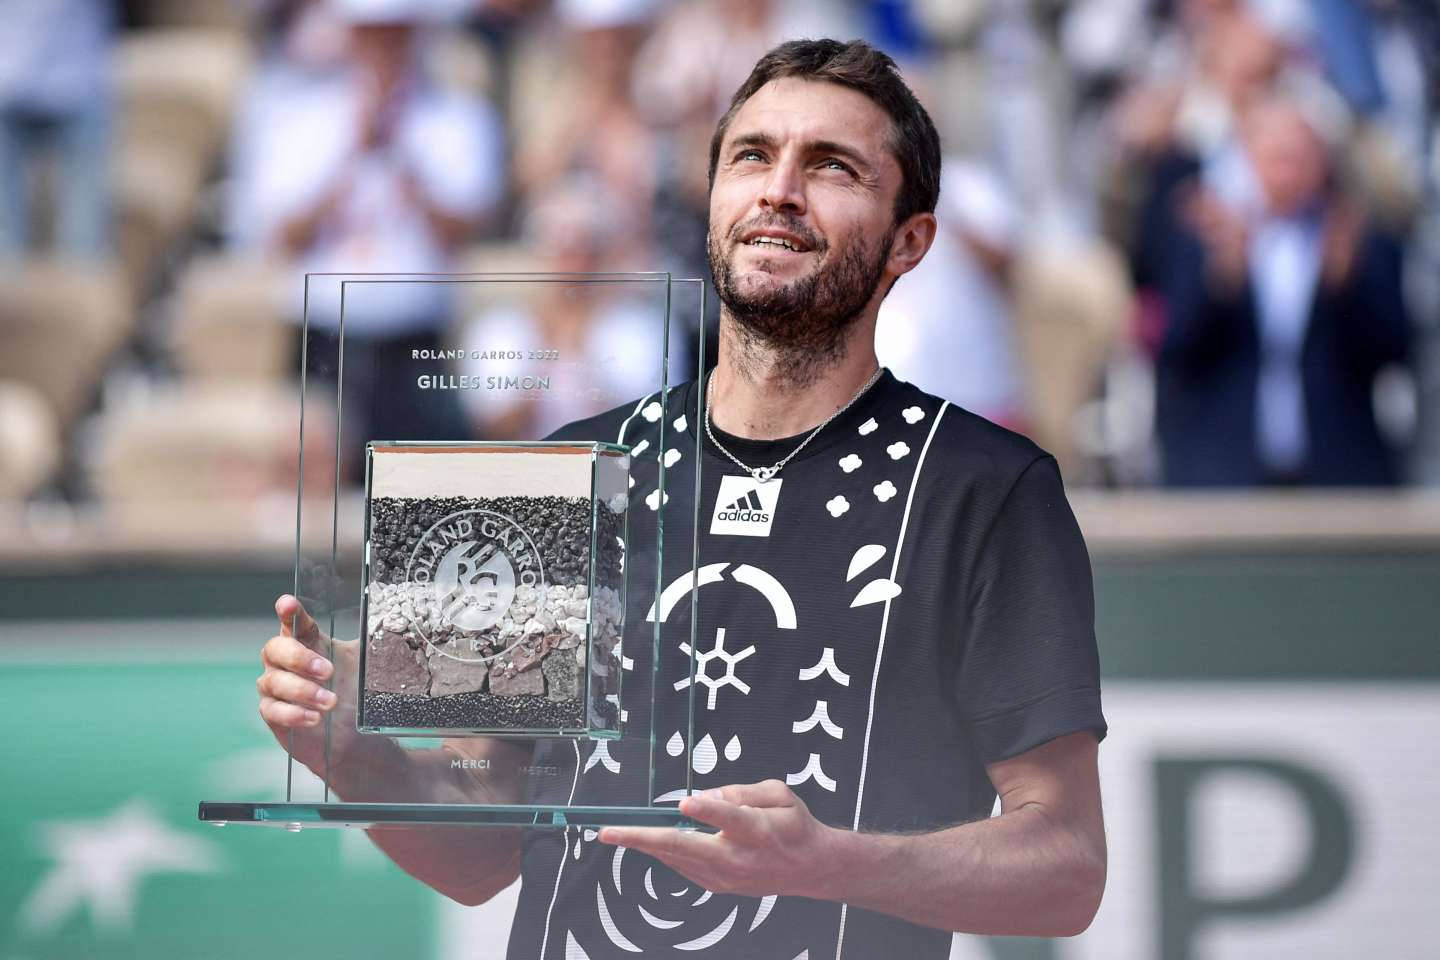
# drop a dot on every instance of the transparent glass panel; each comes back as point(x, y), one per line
point(486, 587)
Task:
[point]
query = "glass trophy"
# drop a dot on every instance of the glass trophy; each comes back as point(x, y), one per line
point(482, 551)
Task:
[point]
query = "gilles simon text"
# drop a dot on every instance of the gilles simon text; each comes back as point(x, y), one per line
point(493, 382)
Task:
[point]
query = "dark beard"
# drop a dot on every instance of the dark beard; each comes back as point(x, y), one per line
point(804, 322)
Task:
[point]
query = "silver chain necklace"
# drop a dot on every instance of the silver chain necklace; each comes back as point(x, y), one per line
point(764, 474)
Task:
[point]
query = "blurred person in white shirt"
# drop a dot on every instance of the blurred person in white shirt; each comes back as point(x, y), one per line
point(947, 327)
point(349, 160)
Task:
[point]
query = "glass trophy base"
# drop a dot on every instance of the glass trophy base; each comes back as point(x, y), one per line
point(296, 816)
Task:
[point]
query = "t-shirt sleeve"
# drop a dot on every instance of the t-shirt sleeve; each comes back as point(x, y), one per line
point(1030, 670)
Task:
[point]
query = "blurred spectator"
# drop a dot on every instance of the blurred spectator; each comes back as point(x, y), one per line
point(1204, 66)
point(55, 70)
point(702, 50)
point(1282, 305)
point(692, 64)
point(946, 326)
point(348, 159)
point(1221, 54)
point(1196, 82)
point(361, 146)
point(587, 123)
point(606, 337)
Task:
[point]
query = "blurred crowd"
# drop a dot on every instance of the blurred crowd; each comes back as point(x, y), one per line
point(1188, 243)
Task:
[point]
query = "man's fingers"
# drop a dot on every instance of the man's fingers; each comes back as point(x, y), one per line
point(766, 793)
point(286, 715)
point(287, 653)
point(664, 843)
point(735, 820)
point(702, 858)
point(295, 621)
point(289, 688)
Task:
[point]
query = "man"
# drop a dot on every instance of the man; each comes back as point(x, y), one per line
point(925, 639)
point(1283, 306)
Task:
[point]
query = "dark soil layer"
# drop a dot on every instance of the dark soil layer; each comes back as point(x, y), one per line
point(560, 527)
point(471, 711)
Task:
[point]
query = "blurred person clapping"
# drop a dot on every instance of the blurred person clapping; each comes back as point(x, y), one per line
point(1282, 305)
point(350, 159)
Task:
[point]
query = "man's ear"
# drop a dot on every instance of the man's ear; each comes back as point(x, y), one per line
point(913, 238)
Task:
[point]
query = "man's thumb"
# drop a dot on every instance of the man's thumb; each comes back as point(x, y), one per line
point(294, 620)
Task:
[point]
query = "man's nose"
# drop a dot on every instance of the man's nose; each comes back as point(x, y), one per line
point(785, 188)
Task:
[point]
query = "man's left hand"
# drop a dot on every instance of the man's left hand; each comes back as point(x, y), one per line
point(769, 843)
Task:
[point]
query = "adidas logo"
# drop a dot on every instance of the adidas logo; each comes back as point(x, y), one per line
point(745, 507)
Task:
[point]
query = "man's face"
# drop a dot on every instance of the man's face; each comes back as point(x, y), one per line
point(802, 212)
point(1288, 157)
point(382, 50)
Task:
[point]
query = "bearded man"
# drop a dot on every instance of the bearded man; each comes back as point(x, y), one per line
point(925, 637)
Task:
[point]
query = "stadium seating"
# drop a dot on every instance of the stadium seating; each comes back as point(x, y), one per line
point(212, 442)
point(229, 322)
point(177, 89)
point(61, 322)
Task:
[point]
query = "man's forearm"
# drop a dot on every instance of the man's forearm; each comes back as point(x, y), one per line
point(467, 864)
point(1020, 874)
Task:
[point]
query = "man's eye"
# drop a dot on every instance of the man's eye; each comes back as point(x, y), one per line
point(832, 164)
point(751, 155)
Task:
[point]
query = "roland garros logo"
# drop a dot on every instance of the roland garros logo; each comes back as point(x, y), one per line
point(473, 560)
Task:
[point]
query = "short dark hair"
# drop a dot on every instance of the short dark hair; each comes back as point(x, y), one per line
point(859, 66)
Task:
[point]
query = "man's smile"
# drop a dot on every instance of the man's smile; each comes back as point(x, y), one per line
point(771, 239)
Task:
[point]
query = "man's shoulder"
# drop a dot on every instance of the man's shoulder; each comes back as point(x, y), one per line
point(965, 445)
point(615, 424)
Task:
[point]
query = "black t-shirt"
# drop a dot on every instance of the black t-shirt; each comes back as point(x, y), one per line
point(908, 600)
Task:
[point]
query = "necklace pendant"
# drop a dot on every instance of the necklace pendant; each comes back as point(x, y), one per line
point(762, 474)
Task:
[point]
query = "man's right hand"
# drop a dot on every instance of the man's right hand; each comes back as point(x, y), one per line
point(1224, 236)
point(300, 685)
point(299, 688)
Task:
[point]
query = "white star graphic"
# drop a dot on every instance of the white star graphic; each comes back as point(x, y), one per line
point(100, 864)
point(702, 664)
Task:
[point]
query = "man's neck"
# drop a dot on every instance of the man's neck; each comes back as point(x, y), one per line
point(760, 393)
